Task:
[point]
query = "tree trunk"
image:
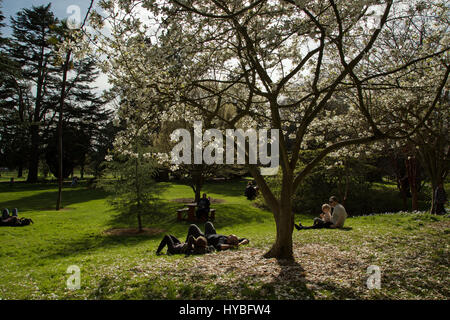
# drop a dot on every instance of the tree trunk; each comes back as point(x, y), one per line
point(60, 131)
point(197, 183)
point(20, 171)
point(138, 195)
point(139, 220)
point(404, 199)
point(400, 184)
point(284, 219)
point(282, 248)
point(411, 166)
point(433, 188)
point(197, 194)
point(33, 167)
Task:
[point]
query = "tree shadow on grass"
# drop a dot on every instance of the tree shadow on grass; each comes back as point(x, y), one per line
point(289, 283)
point(46, 201)
point(293, 274)
point(97, 240)
point(88, 243)
point(23, 186)
point(164, 216)
point(337, 291)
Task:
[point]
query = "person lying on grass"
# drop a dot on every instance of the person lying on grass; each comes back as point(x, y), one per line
point(218, 241)
point(9, 219)
point(192, 245)
point(326, 220)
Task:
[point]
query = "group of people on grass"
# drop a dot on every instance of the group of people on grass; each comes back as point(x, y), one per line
point(333, 216)
point(328, 219)
point(7, 218)
point(200, 243)
point(13, 220)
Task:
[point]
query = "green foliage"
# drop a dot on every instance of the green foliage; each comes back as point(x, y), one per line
point(346, 179)
point(134, 190)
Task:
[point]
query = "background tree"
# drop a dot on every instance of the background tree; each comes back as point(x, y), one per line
point(31, 48)
point(432, 145)
point(14, 142)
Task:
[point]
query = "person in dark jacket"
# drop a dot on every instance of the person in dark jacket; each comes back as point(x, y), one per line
point(250, 191)
point(8, 220)
point(192, 245)
point(203, 208)
point(218, 241)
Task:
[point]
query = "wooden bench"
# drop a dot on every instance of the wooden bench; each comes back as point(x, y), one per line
point(181, 214)
point(212, 214)
point(185, 214)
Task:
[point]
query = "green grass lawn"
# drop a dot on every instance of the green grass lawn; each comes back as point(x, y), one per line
point(412, 251)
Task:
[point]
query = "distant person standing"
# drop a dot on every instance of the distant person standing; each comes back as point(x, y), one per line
point(339, 213)
point(440, 198)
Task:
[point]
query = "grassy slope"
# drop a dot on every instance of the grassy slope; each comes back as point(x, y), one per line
point(411, 249)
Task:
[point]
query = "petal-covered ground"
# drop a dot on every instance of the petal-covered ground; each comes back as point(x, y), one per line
point(409, 267)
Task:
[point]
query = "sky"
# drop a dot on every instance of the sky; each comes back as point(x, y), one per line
point(59, 8)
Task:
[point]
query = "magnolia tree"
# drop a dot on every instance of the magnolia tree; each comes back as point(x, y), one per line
point(281, 65)
point(412, 92)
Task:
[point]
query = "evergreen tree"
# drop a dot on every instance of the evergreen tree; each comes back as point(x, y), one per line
point(31, 47)
point(12, 93)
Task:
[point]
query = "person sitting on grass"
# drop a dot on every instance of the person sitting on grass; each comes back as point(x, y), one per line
point(7, 219)
point(192, 245)
point(203, 208)
point(337, 218)
point(5, 214)
point(250, 191)
point(218, 241)
point(323, 222)
point(13, 220)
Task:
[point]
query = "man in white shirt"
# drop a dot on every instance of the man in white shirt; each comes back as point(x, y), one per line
point(339, 214)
